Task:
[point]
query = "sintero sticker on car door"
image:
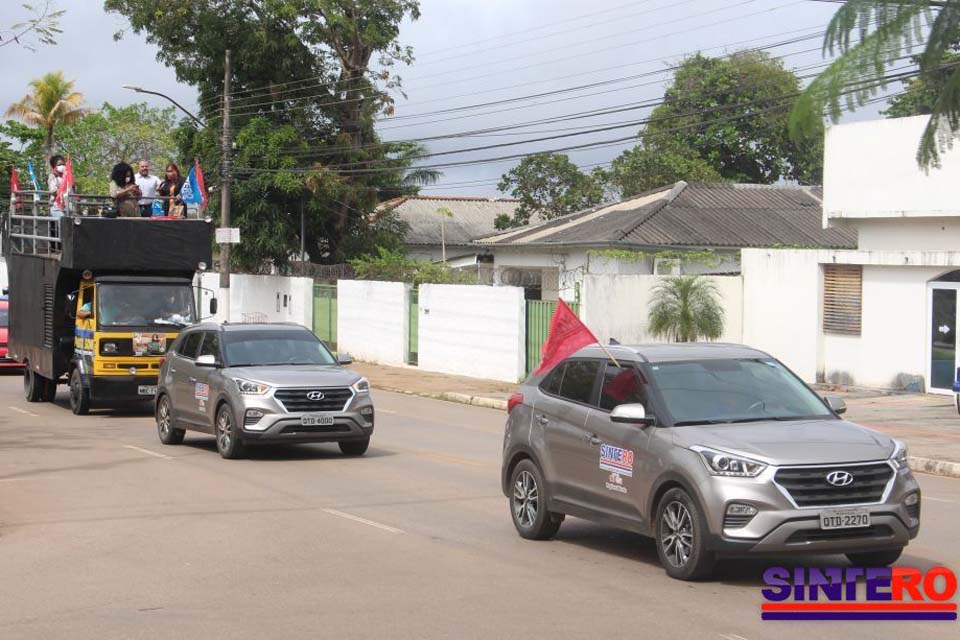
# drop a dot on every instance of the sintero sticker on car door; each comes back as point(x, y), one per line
point(616, 459)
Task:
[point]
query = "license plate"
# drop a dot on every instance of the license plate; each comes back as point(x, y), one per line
point(147, 390)
point(316, 421)
point(844, 518)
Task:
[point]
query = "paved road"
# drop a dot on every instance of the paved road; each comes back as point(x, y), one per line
point(105, 533)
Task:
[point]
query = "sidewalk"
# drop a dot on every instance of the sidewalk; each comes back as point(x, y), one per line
point(928, 424)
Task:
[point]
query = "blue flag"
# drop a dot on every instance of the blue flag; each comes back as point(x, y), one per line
point(191, 192)
point(33, 176)
point(157, 208)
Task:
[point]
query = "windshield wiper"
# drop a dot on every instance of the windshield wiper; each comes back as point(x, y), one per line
point(692, 423)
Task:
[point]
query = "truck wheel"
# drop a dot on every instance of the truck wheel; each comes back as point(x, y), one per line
point(79, 394)
point(32, 387)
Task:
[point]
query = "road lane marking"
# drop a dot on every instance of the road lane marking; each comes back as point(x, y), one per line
point(148, 452)
point(940, 500)
point(24, 412)
point(440, 457)
point(371, 523)
point(387, 411)
point(21, 479)
point(731, 636)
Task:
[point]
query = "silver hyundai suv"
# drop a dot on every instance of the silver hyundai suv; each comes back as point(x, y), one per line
point(261, 384)
point(713, 450)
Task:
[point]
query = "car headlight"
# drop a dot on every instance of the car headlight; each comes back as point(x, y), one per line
point(249, 388)
point(899, 456)
point(361, 386)
point(721, 463)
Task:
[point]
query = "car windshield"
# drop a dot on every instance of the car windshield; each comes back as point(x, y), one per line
point(4, 317)
point(137, 305)
point(733, 391)
point(266, 347)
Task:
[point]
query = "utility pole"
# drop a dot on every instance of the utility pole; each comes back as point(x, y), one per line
point(225, 178)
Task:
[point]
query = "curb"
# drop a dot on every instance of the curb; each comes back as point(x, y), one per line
point(935, 467)
point(929, 466)
point(460, 398)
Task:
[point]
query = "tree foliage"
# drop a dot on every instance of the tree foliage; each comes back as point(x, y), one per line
point(733, 114)
point(685, 309)
point(43, 26)
point(885, 31)
point(301, 66)
point(394, 266)
point(51, 101)
point(548, 186)
point(919, 95)
point(644, 168)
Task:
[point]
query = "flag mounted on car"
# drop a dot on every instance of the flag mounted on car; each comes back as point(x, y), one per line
point(567, 336)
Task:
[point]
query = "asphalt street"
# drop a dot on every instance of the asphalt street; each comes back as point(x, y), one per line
point(106, 533)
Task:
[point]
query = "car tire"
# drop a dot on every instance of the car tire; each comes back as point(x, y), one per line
point(225, 429)
point(875, 558)
point(32, 387)
point(528, 503)
point(79, 394)
point(354, 447)
point(168, 433)
point(681, 537)
point(956, 401)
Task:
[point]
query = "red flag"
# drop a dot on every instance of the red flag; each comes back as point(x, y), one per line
point(14, 181)
point(202, 187)
point(65, 185)
point(567, 336)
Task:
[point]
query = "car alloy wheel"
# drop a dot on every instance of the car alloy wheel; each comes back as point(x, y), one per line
point(224, 431)
point(676, 534)
point(526, 499)
point(163, 418)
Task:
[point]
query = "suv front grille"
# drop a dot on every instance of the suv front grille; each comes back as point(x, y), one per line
point(808, 486)
point(296, 400)
point(825, 535)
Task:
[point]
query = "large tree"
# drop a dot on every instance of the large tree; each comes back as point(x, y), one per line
point(919, 95)
point(51, 101)
point(302, 66)
point(885, 31)
point(548, 186)
point(648, 167)
point(733, 112)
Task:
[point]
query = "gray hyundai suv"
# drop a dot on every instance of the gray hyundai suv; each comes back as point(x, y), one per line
point(713, 450)
point(261, 384)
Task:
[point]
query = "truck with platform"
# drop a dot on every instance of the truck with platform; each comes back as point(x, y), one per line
point(94, 300)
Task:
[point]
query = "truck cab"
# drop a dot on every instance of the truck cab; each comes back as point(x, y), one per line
point(95, 301)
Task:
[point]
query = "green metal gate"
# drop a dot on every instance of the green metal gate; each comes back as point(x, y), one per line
point(413, 333)
point(325, 314)
point(539, 314)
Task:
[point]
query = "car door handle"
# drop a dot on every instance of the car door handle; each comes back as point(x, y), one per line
point(542, 420)
point(592, 439)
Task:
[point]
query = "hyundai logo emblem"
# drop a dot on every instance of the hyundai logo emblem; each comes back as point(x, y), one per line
point(840, 478)
point(315, 395)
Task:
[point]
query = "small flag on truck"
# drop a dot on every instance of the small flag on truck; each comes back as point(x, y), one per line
point(14, 182)
point(194, 192)
point(65, 185)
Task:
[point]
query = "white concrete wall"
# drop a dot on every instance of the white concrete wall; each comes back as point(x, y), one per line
point(917, 234)
point(270, 298)
point(617, 306)
point(373, 320)
point(870, 170)
point(781, 306)
point(472, 331)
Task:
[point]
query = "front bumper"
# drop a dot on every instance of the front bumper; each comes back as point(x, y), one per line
point(120, 391)
point(782, 527)
point(278, 425)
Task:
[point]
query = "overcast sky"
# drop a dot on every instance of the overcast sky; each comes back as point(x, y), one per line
point(476, 51)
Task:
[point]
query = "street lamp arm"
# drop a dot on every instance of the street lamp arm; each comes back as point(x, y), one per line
point(175, 103)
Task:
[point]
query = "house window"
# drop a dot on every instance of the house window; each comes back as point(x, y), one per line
point(842, 298)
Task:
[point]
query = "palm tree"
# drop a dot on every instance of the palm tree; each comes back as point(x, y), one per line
point(444, 213)
point(52, 102)
point(871, 38)
point(686, 308)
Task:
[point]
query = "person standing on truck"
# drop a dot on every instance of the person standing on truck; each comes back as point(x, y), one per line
point(124, 191)
point(148, 188)
point(58, 167)
point(171, 188)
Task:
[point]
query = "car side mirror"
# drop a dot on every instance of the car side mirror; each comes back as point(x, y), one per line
point(632, 414)
point(836, 404)
point(206, 361)
point(344, 359)
point(213, 306)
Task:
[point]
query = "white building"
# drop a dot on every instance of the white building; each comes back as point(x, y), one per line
point(883, 315)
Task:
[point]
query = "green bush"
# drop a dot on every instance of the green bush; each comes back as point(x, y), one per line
point(394, 266)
